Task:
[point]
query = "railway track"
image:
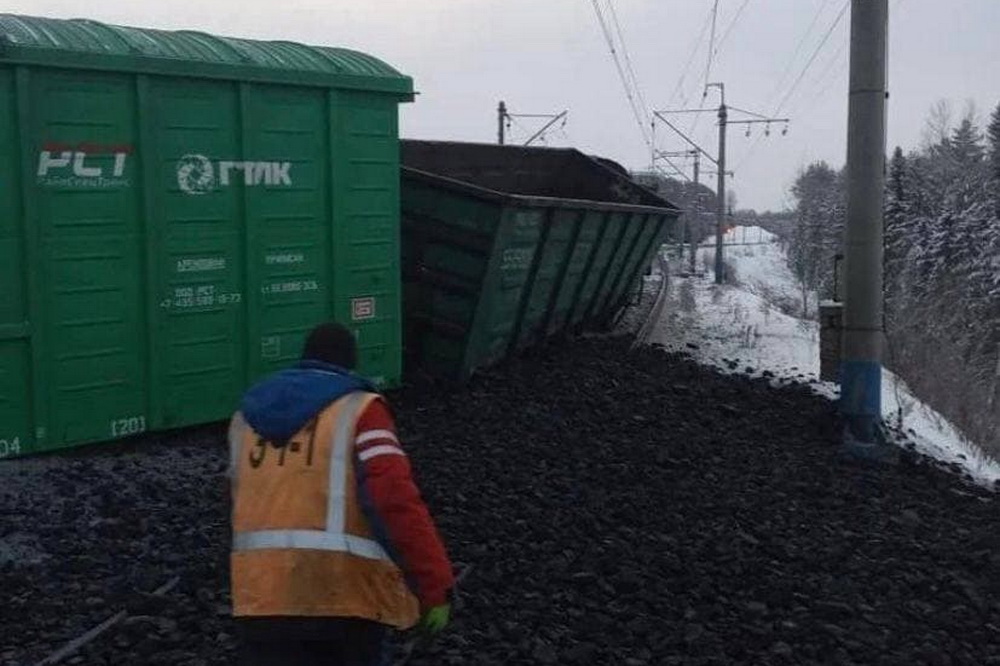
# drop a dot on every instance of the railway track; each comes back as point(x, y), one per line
point(73, 647)
point(649, 322)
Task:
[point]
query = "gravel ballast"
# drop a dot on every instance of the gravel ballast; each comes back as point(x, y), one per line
point(615, 507)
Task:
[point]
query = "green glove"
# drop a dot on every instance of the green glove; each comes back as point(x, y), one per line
point(435, 619)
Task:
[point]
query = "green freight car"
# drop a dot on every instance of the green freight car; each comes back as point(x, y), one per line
point(176, 211)
point(505, 246)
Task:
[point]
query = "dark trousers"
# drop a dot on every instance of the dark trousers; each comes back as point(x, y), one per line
point(291, 641)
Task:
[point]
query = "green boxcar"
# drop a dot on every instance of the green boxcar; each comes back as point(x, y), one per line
point(505, 246)
point(176, 211)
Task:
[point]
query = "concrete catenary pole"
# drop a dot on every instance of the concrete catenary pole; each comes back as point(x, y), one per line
point(695, 225)
point(721, 192)
point(861, 364)
point(501, 119)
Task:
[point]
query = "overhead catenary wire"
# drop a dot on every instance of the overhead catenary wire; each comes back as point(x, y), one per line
point(812, 58)
point(690, 61)
point(826, 78)
point(513, 120)
point(711, 41)
point(633, 103)
point(673, 165)
point(809, 63)
point(731, 25)
point(628, 59)
point(749, 113)
point(780, 81)
point(793, 59)
point(823, 82)
point(835, 67)
point(630, 85)
point(541, 134)
point(693, 127)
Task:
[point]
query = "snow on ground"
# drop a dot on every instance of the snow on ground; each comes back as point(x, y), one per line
point(758, 260)
point(744, 328)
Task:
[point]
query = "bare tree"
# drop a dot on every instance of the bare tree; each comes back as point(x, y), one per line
point(938, 125)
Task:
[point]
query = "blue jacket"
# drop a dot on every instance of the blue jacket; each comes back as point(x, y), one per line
point(279, 406)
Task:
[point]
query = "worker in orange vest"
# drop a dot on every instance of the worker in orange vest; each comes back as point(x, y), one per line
point(332, 543)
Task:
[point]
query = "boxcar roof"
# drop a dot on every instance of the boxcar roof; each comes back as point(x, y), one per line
point(86, 44)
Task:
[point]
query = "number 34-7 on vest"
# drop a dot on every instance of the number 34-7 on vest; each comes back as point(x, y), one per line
point(294, 451)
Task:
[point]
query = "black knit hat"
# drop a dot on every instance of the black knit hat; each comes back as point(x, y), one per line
point(331, 343)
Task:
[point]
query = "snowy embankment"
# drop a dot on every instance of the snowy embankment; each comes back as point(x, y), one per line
point(746, 327)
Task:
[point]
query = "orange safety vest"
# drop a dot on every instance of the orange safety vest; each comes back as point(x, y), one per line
point(301, 544)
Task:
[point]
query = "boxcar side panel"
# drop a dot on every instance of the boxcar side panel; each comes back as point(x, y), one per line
point(288, 227)
point(16, 434)
point(198, 219)
point(365, 158)
point(86, 209)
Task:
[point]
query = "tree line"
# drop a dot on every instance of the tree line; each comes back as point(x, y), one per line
point(941, 264)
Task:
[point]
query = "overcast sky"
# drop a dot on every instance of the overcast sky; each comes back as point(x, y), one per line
point(544, 56)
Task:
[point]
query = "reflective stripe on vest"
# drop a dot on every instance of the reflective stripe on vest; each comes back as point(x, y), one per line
point(237, 430)
point(309, 540)
point(343, 434)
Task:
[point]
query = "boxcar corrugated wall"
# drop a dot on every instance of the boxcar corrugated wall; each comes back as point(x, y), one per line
point(176, 211)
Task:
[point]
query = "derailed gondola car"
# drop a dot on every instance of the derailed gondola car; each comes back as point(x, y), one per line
point(505, 246)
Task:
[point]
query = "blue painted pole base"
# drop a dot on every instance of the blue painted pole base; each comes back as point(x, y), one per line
point(861, 405)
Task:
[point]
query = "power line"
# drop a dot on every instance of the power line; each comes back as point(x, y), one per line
point(795, 54)
point(836, 66)
point(506, 120)
point(673, 165)
point(630, 82)
point(521, 127)
point(540, 134)
point(690, 60)
point(684, 136)
point(749, 113)
point(732, 24)
point(621, 73)
point(714, 52)
point(636, 113)
point(823, 82)
point(628, 59)
point(828, 75)
point(812, 59)
point(711, 42)
point(808, 65)
point(784, 75)
point(708, 66)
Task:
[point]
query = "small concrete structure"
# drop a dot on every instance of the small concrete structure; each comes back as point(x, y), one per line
point(831, 316)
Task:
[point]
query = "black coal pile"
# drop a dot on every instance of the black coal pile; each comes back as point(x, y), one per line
point(611, 508)
point(100, 532)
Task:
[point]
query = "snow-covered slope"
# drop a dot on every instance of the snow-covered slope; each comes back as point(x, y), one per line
point(744, 328)
point(758, 261)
